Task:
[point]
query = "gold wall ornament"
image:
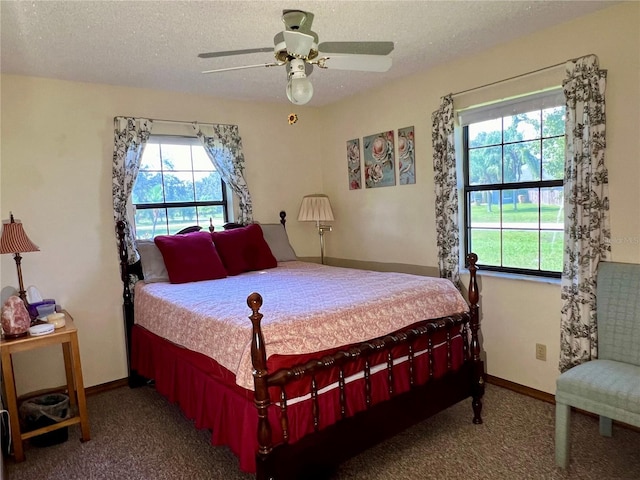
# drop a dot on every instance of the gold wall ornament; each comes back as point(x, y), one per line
point(292, 118)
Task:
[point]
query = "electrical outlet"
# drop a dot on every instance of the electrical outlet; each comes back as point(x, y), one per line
point(541, 352)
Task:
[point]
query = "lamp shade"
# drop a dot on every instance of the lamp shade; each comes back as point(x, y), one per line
point(14, 239)
point(315, 208)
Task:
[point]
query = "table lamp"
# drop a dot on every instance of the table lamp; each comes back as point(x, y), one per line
point(14, 240)
point(317, 208)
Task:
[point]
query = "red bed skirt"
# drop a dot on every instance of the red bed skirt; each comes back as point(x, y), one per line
point(207, 393)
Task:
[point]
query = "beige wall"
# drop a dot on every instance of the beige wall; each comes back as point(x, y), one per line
point(56, 151)
point(57, 147)
point(396, 224)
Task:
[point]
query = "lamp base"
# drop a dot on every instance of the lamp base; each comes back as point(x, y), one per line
point(321, 230)
point(10, 336)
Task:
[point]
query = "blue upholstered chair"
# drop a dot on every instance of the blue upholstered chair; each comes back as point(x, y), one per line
point(610, 385)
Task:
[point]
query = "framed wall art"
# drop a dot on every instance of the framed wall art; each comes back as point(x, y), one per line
point(379, 160)
point(353, 164)
point(406, 157)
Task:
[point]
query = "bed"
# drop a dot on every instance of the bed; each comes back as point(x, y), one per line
point(329, 361)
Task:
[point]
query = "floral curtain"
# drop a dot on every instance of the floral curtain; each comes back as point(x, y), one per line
point(130, 134)
point(224, 148)
point(446, 188)
point(586, 192)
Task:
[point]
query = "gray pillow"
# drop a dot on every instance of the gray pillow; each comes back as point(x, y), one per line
point(153, 267)
point(276, 237)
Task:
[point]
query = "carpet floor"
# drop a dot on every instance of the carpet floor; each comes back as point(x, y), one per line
point(137, 434)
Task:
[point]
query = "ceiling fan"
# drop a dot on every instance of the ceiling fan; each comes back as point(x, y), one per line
point(298, 50)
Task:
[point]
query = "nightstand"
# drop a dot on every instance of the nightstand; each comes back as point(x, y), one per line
point(67, 336)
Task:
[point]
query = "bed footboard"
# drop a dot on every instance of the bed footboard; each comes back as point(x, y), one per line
point(352, 434)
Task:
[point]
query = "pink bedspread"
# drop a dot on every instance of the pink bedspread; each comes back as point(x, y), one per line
point(307, 308)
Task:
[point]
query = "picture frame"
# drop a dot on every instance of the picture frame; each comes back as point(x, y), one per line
point(406, 156)
point(379, 160)
point(353, 164)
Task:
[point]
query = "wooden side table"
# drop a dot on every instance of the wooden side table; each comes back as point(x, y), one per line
point(67, 336)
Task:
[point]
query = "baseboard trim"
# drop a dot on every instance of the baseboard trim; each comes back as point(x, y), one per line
point(524, 390)
point(105, 387)
point(499, 382)
point(545, 397)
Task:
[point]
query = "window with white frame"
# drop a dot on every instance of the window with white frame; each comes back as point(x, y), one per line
point(513, 164)
point(177, 187)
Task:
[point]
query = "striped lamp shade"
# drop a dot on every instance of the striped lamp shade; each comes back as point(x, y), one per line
point(315, 208)
point(14, 240)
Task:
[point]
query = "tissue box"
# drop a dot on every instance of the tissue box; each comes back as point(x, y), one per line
point(48, 306)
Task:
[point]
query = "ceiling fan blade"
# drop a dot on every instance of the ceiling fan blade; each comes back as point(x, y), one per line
point(362, 63)
point(235, 52)
point(360, 48)
point(244, 67)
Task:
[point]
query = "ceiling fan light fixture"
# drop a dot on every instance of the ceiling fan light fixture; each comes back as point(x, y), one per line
point(299, 87)
point(299, 90)
point(297, 48)
point(299, 44)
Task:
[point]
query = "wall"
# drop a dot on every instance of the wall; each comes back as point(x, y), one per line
point(396, 224)
point(56, 154)
point(57, 147)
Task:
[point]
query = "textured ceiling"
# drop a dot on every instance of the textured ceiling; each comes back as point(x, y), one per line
point(154, 44)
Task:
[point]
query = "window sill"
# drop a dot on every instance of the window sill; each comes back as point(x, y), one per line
point(513, 276)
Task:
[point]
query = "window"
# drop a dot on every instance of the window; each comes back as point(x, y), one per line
point(513, 158)
point(177, 187)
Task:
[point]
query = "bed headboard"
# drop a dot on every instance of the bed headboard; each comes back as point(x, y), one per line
point(127, 270)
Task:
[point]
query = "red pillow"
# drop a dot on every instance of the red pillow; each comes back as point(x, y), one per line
point(191, 257)
point(244, 249)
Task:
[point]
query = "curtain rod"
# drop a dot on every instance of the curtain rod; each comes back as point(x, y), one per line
point(519, 76)
point(181, 122)
point(158, 120)
point(188, 123)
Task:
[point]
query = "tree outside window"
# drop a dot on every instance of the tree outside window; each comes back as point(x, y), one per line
point(513, 191)
point(177, 187)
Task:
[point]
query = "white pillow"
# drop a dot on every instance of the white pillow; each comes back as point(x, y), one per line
point(276, 237)
point(153, 267)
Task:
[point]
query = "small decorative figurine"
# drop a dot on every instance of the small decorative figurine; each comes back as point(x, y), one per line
point(15, 318)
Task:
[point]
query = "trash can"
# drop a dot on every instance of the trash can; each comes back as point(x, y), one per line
point(43, 411)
